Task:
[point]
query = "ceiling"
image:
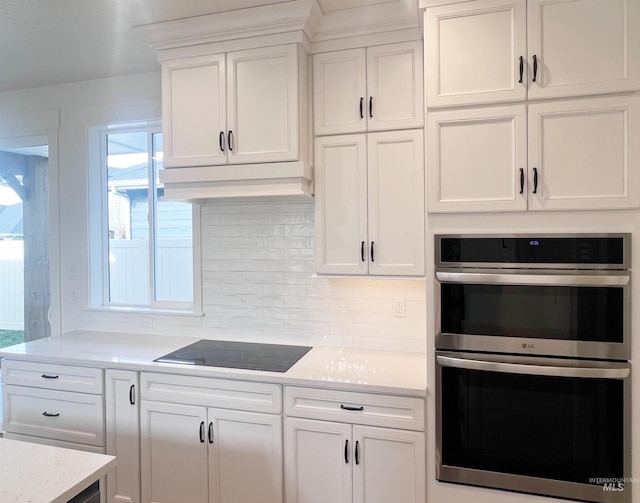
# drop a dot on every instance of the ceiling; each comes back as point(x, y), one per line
point(48, 42)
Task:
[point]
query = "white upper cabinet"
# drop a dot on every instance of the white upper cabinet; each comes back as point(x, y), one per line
point(574, 155)
point(242, 107)
point(474, 51)
point(396, 202)
point(373, 89)
point(486, 51)
point(583, 47)
point(341, 204)
point(340, 91)
point(477, 159)
point(584, 154)
point(262, 105)
point(194, 111)
point(370, 203)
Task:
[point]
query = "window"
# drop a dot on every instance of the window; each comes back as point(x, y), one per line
point(142, 245)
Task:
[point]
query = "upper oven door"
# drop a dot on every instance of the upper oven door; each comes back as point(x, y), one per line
point(578, 314)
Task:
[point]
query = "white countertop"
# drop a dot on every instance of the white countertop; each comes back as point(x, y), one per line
point(346, 369)
point(35, 473)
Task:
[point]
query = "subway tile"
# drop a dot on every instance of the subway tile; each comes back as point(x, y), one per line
point(259, 283)
point(263, 300)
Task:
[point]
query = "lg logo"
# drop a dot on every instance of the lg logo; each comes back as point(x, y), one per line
point(528, 346)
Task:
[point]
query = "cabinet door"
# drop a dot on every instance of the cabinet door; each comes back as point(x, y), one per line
point(123, 435)
point(585, 154)
point(394, 86)
point(389, 465)
point(477, 160)
point(194, 111)
point(262, 105)
point(396, 202)
point(245, 462)
point(341, 204)
point(584, 46)
point(318, 461)
point(340, 92)
point(174, 460)
point(473, 52)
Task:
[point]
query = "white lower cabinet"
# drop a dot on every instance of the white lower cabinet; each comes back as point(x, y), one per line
point(122, 412)
point(342, 461)
point(54, 404)
point(206, 454)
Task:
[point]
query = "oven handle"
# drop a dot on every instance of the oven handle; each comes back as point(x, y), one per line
point(502, 278)
point(543, 370)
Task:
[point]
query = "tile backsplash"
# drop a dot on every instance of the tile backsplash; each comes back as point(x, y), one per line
point(259, 284)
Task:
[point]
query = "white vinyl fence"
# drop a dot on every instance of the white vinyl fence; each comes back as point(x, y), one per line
point(11, 285)
point(129, 271)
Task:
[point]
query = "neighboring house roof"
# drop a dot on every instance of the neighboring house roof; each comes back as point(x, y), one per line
point(124, 179)
point(11, 220)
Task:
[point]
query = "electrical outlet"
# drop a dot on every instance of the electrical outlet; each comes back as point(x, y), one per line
point(73, 297)
point(145, 321)
point(398, 308)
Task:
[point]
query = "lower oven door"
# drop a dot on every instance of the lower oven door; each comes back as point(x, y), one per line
point(546, 426)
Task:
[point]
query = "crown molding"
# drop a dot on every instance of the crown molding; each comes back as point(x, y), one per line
point(302, 18)
point(368, 20)
point(259, 21)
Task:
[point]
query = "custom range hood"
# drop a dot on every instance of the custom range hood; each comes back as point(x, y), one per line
point(235, 103)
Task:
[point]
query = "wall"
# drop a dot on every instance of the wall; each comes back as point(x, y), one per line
point(258, 259)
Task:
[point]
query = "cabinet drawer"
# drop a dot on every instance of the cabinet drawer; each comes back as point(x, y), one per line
point(53, 376)
point(71, 417)
point(205, 391)
point(359, 408)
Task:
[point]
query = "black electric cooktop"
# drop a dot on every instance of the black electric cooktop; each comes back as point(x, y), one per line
point(238, 355)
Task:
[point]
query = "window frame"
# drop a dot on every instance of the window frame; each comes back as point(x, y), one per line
point(99, 276)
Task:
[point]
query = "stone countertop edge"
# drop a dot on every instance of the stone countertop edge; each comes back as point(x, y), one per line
point(342, 369)
point(46, 474)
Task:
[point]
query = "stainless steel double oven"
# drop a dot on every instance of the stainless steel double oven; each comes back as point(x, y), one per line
point(533, 388)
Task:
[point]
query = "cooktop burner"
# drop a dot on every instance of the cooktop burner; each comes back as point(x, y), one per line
point(238, 355)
